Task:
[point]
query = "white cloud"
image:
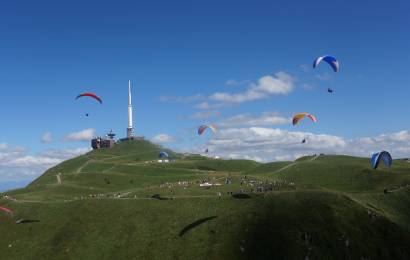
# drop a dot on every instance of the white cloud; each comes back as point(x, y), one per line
point(181, 99)
point(280, 84)
point(65, 153)
point(204, 115)
point(246, 157)
point(402, 136)
point(324, 76)
point(307, 87)
point(3, 146)
point(203, 105)
point(207, 105)
point(235, 83)
point(269, 144)
point(17, 164)
point(83, 135)
point(162, 139)
point(10, 152)
point(305, 68)
point(231, 82)
point(29, 160)
point(47, 137)
point(267, 118)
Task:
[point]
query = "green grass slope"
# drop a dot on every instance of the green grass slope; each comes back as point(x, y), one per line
point(320, 207)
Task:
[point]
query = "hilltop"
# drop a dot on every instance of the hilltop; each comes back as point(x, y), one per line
point(122, 203)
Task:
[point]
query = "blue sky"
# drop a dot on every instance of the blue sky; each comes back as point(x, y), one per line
point(178, 54)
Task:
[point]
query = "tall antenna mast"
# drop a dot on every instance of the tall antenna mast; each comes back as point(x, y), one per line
point(130, 128)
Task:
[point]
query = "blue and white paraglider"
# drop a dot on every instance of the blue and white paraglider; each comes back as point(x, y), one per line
point(332, 61)
point(163, 155)
point(384, 156)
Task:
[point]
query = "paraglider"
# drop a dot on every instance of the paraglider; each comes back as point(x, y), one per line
point(91, 95)
point(303, 141)
point(332, 61)
point(163, 155)
point(384, 156)
point(6, 210)
point(202, 128)
point(330, 90)
point(300, 116)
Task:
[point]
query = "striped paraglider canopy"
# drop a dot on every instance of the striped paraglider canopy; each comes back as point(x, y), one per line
point(299, 116)
point(202, 128)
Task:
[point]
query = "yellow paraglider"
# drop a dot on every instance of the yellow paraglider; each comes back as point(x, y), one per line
point(300, 116)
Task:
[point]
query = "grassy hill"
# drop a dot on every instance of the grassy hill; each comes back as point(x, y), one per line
point(123, 204)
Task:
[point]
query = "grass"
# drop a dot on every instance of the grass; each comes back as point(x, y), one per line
point(320, 204)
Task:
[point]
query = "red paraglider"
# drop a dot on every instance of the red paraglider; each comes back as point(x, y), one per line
point(92, 95)
point(8, 211)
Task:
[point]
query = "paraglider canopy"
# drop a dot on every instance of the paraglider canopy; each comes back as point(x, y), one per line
point(384, 156)
point(300, 116)
point(202, 128)
point(92, 95)
point(332, 61)
point(6, 210)
point(303, 141)
point(330, 90)
point(163, 155)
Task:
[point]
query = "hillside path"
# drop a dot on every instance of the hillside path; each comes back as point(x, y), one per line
point(399, 188)
point(79, 169)
point(285, 167)
point(294, 163)
point(315, 157)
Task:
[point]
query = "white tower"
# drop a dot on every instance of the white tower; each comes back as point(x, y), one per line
point(130, 129)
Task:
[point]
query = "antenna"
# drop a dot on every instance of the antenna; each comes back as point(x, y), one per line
point(130, 128)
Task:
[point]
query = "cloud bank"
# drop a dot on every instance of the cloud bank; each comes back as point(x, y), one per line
point(270, 144)
point(17, 164)
point(267, 118)
point(162, 139)
point(83, 136)
point(279, 84)
point(47, 138)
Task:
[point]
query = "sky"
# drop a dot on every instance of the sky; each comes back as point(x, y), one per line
point(245, 66)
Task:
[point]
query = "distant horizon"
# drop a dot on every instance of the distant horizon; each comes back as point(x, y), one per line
point(12, 185)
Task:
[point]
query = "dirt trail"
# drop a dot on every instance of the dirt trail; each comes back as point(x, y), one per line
point(78, 171)
point(285, 167)
point(399, 188)
point(314, 157)
point(294, 163)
